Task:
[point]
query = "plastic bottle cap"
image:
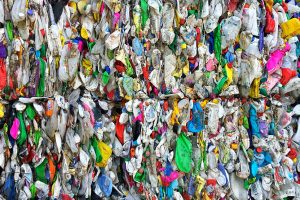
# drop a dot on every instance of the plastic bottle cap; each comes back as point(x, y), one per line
point(258, 149)
point(30, 12)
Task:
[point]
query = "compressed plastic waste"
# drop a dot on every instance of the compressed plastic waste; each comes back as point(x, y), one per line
point(149, 99)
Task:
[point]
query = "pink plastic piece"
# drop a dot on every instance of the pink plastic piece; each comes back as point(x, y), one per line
point(276, 57)
point(15, 128)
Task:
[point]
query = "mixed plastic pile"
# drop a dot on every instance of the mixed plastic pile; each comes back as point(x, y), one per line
point(149, 99)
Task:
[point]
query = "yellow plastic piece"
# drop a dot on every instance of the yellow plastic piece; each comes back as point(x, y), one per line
point(84, 34)
point(106, 152)
point(1, 110)
point(290, 28)
point(175, 113)
point(229, 72)
point(254, 89)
